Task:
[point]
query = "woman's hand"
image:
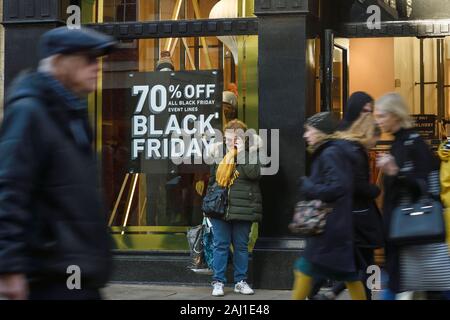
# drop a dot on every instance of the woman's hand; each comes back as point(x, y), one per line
point(387, 165)
point(239, 144)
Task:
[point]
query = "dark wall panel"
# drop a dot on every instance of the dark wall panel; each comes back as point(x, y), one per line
point(22, 10)
point(25, 21)
point(21, 49)
point(282, 77)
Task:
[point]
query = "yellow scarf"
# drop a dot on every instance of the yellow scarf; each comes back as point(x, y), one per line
point(226, 171)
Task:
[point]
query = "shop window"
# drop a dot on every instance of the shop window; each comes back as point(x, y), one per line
point(119, 10)
point(155, 10)
point(151, 208)
point(391, 3)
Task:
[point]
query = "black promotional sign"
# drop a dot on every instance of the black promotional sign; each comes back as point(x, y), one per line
point(425, 125)
point(172, 112)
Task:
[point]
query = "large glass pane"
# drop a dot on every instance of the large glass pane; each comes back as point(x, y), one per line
point(337, 88)
point(153, 203)
point(156, 10)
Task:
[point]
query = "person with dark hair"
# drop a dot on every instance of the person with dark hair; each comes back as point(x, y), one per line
point(358, 103)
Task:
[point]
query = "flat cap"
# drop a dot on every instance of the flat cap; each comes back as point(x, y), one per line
point(63, 40)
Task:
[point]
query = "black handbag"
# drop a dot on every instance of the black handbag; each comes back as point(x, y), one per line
point(215, 201)
point(421, 222)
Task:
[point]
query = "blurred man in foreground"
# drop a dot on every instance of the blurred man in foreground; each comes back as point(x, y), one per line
point(54, 242)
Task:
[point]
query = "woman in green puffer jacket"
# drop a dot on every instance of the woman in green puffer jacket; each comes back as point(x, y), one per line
point(240, 171)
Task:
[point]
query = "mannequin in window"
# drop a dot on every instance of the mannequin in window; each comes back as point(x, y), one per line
point(165, 63)
point(229, 106)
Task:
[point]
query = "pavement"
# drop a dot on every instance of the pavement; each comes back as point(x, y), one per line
point(126, 291)
point(144, 291)
point(121, 291)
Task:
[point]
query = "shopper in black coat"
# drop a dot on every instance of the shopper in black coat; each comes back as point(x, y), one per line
point(367, 219)
point(358, 127)
point(366, 215)
point(364, 134)
point(406, 170)
point(414, 182)
point(52, 220)
point(331, 181)
point(331, 254)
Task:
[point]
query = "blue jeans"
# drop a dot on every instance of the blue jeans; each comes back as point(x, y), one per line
point(387, 294)
point(224, 234)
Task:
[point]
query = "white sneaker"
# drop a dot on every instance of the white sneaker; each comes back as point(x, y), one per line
point(217, 289)
point(243, 288)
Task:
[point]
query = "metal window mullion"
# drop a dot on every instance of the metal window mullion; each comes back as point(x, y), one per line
point(197, 55)
point(183, 49)
point(156, 41)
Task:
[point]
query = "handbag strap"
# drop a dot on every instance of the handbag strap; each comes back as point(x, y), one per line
point(430, 186)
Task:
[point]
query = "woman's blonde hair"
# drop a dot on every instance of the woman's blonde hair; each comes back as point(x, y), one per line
point(321, 138)
point(394, 103)
point(235, 125)
point(363, 130)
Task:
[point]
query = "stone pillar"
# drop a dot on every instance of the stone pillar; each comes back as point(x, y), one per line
point(24, 21)
point(285, 98)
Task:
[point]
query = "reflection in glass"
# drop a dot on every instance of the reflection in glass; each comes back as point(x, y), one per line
point(337, 88)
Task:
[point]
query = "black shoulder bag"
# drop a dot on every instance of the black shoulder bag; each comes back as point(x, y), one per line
point(421, 221)
point(215, 201)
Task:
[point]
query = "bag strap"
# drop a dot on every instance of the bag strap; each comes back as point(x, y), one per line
point(423, 184)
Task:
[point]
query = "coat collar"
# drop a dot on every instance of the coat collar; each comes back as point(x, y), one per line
point(70, 100)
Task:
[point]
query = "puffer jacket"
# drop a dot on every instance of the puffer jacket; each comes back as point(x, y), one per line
point(51, 213)
point(244, 196)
